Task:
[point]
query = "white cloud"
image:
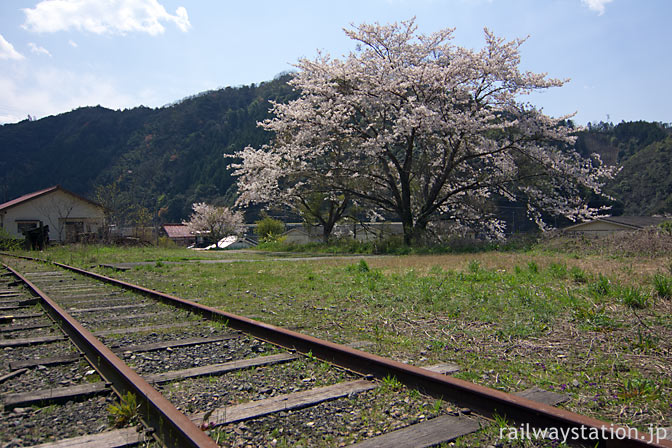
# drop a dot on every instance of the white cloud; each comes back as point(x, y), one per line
point(38, 50)
point(73, 44)
point(596, 5)
point(103, 17)
point(7, 50)
point(52, 91)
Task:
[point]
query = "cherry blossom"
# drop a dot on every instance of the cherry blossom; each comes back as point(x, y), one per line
point(420, 129)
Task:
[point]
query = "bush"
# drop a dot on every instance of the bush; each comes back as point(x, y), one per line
point(269, 229)
point(8, 242)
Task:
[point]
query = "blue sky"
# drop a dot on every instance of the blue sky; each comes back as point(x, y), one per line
point(57, 55)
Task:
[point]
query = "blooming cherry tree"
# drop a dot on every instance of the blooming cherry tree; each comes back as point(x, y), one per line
point(415, 126)
point(280, 177)
point(217, 222)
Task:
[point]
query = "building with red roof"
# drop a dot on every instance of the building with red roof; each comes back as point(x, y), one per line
point(70, 217)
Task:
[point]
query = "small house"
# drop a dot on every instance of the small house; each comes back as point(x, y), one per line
point(69, 216)
point(609, 225)
point(180, 234)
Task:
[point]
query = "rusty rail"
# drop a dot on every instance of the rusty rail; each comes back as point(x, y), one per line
point(484, 400)
point(171, 428)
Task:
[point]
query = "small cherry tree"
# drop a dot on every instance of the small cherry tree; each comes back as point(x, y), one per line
point(217, 222)
point(415, 126)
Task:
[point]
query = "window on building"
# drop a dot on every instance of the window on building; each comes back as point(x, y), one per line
point(24, 226)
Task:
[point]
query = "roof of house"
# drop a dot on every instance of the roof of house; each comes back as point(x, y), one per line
point(177, 231)
point(636, 221)
point(630, 222)
point(37, 194)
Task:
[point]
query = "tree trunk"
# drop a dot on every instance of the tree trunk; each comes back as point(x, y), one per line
point(327, 228)
point(414, 233)
point(407, 224)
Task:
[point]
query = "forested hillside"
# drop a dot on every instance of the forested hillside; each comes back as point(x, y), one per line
point(154, 163)
point(141, 162)
point(643, 150)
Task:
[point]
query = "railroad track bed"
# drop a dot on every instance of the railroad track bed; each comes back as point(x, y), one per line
point(241, 390)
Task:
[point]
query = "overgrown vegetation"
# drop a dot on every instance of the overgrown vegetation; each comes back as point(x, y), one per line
point(595, 326)
point(269, 230)
point(395, 246)
point(124, 413)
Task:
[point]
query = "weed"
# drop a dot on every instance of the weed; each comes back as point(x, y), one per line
point(594, 319)
point(602, 287)
point(310, 356)
point(391, 383)
point(474, 266)
point(558, 270)
point(501, 421)
point(633, 297)
point(663, 286)
point(578, 275)
point(219, 435)
point(362, 266)
point(438, 404)
point(637, 387)
point(125, 413)
point(645, 342)
point(49, 410)
point(533, 267)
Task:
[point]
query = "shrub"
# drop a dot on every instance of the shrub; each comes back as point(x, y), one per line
point(8, 242)
point(269, 229)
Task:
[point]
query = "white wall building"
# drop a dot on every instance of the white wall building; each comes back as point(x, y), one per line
point(68, 215)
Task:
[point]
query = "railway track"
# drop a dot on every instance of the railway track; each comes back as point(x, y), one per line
point(91, 361)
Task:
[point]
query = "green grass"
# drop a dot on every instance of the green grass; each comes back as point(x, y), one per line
point(633, 297)
point(663, 286)
point(88, 255)
point(581, 325)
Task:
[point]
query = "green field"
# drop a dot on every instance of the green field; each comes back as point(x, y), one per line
point(595, 327)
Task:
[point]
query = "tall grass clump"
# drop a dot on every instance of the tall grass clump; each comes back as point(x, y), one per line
point(533, 267)
point(634, 297)
point(474, 266)
point(578, 275)
point(601, 287)
point(558, 270)
point(663, 286)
